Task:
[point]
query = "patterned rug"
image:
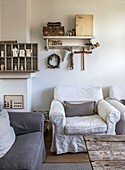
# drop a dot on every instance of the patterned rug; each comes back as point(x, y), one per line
point(66, 166)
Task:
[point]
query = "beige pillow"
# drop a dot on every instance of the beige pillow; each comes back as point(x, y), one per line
point(81, 109)
point(7, 134)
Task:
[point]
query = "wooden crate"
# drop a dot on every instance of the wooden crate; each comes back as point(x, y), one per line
point(84, 25)
point(53, 31)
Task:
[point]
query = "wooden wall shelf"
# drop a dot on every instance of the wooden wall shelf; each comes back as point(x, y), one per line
point(10, 63)
point(64, 42)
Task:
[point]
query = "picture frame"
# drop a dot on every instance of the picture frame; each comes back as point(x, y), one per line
point(13, 101)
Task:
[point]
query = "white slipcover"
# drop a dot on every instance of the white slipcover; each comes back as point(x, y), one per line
point(117, 93)
point(7, 134)
point(68, 132)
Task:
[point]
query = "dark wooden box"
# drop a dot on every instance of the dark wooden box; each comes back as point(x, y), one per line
point(53, 31)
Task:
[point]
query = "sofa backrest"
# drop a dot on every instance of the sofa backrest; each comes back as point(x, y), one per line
point(117, 92)
point(74, 93)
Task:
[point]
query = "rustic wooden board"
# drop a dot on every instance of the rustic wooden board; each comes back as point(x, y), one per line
point(108, 165)
point(99, 145)
point(106, 155)
point(84, 25)
point(106, 152)
point(117, 138)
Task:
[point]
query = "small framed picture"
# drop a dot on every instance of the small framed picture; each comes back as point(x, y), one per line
point(13, 101)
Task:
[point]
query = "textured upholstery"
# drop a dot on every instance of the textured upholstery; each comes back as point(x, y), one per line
point(116, 94)
point(28, 151)
point(68, 132)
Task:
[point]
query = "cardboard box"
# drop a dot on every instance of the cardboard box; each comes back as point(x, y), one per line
point(84, 25)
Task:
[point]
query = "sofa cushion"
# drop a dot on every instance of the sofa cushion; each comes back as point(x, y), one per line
point(117, 92)
point(77, 93)
point(80, 109)
point(23, 153)
point(84, 125)
point(7, 134)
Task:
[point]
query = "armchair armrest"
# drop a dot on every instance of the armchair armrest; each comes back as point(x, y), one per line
point(119, 106)
point(57, 116)
point(27, 122)
point(109, 114)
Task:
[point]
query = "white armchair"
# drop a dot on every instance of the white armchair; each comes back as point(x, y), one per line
point(68, 132)
point(116, 94)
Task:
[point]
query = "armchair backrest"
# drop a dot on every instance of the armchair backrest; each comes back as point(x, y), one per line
point(74, 93)
point(117, 92)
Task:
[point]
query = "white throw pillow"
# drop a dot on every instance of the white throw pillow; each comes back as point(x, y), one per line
point(7, 134)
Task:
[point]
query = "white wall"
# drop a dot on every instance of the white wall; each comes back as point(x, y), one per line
point(0, 19)
point(16, 87)
point(15, 20)
point(104, 67)
point(15, 25)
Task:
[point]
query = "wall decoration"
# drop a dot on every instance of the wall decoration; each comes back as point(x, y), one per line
point(71, 61)
point(15, 52)
point(22, 53)
point(13, 101)
point(28, 52)
point(53, 61)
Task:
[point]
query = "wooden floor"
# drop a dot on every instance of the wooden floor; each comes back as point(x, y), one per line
point(67, 157)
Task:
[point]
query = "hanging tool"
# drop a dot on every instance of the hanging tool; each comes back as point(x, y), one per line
point(71, 61)
point(82, 57)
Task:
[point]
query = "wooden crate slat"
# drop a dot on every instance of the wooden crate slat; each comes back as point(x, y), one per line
point(107, 155)
point(97, 146)
point(102, 138)
point(110, 165)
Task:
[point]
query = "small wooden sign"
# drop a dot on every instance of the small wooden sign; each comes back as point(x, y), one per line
point(13, 101)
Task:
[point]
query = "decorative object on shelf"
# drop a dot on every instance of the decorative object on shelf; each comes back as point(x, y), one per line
point(2, 53)
point(53, 29)
point(15, 67)
point(51, 59)
point(13, 101)
point(22, 53)
point(2, 66)
point(54, 24)
point(28, 52)
point(15, 52)
point(84, 25)
point(21, 67)
point(55, 42)
point(93, 46)
point(71, 32)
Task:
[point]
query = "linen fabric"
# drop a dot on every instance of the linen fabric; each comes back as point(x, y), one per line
point(7, 134)
point(80, 109)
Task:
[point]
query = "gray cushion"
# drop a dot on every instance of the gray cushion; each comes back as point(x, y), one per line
point(122, 101)
point(82, 109)
point(26, 122)
point(7, 134)
point(24, 153)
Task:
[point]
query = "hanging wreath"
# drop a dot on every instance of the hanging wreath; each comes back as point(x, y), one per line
point(53, 61)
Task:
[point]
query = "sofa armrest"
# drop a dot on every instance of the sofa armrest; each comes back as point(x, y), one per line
point(57, 116)
point(109, 114)
point(26, 122)
point(119, 106)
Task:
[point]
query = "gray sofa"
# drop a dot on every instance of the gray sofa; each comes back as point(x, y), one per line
point(28, 151)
